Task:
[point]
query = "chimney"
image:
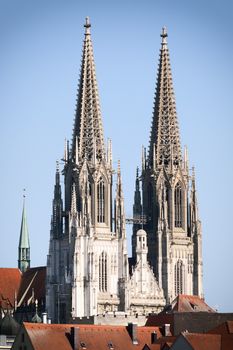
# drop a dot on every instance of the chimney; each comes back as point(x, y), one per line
point(44, 317)
point(132, 329)
point(166, 330)
point(154, 337)
point(74, 332)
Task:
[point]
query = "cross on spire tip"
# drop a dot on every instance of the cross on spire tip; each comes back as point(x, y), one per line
point(164, 35)
point(87, 25)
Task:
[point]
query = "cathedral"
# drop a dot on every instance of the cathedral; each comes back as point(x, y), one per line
point(88, 268)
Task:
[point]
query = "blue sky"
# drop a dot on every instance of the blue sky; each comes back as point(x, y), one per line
point(40, 52)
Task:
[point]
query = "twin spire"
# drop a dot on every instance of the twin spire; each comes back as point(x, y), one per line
point(164, 147)
point(88, 139)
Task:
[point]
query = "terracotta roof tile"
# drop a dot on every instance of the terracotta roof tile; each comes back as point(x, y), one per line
point(227, 342)
point(32, 279)
point(200, 341)
point(223, 328)
point(9, 285)
point(190, 303)
point(92, 336)
point(226, 331)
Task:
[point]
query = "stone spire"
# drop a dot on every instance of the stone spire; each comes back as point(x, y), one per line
point(137, 207)
point(88, 129)
point(57, 206)
point(24, 246)
point(193, 203)
point(119, 205)
point(164, 139)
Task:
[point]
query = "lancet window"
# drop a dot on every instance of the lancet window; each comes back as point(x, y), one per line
point(103, 276)
point(101, 201)
point(179, 277)
point(178, 206)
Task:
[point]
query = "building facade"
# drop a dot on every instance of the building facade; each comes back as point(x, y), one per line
point(88, 270)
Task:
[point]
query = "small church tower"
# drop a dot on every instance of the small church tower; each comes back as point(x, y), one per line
point(24, 247)
point(172, 224)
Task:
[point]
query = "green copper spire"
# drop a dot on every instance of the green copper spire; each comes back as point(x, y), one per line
point(24, 246)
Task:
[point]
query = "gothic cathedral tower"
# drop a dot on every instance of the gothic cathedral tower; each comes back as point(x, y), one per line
point(87, 261)
point(169, 202)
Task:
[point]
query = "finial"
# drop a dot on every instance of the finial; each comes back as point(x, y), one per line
point(57, 174)
point(137, 172)
point(57, 166)
point(73, 200)
point(186, 158)
point(118, 167)
point(24, 193)
point(87, 25)
point(193, 172)
point(164, 35)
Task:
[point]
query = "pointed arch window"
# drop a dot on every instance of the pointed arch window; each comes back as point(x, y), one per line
point(103, 276)
point(101, 201)
point(178, 205)
point(179, 277)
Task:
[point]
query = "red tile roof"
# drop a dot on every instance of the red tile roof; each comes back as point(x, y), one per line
point(190, 303)
point(55, 337)
point(14, 283)
point(224, 328)
point(200, 341)
point(33, 281)
point(226, 331)
point(9, 286)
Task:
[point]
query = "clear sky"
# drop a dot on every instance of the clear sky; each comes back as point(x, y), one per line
point(40, 52)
